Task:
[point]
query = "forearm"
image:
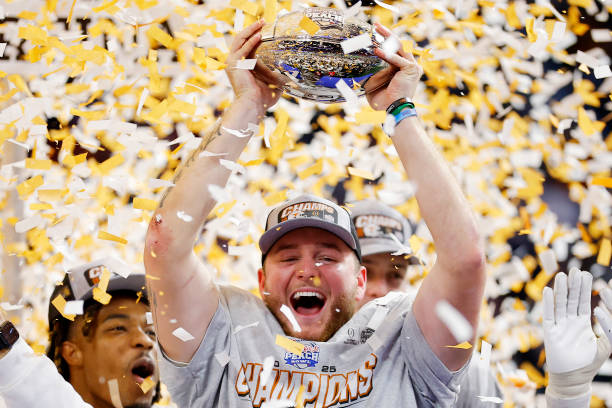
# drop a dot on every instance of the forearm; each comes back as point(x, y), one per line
point(169, 233)
point(178, 285)
point(441, 201)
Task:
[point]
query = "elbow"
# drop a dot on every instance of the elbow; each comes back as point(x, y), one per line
point(157, 240)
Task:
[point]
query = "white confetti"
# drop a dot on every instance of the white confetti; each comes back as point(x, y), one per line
point(548, 260)
point(387, 6)
point(149, 317)
point(141, 101)
point(458, 325)
point(391, 45)
point(495, 400)
point(157, 183)
point(111, 125)
point(239, 328)
point(8, 307)
point(232, 166)
point(602, 71)
point(353, 10)
point(74, 307)
point(238, 21)
point(182, 334)
point(222, 358)
point(247, 64)
point(2, 48)
point(347, 93)
point(287, 312)
point(113, 389)
point(238, 133)
point(601, 35)
point(27, 224)
point(268, 364)
point(588, 60)
point(184, 216)
point(356, 43)
point(206, 153)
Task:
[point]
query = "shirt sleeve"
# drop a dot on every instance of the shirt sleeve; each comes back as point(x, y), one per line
point(31, 380)
point(433, 383)
point(197, 382)
point(479, 381)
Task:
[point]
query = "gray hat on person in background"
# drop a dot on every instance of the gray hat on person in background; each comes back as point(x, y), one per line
point(376, 225)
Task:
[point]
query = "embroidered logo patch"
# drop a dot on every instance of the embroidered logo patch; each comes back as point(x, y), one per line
point(309, 209)
point(378, 226)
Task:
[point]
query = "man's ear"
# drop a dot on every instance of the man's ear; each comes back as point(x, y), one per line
point(261, 279)
point(362, 280)
point(72, 353)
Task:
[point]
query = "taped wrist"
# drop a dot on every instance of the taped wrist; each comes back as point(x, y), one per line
point(572, 384)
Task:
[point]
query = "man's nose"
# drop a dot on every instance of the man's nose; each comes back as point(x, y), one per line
point(141, 338)
point(308, 269)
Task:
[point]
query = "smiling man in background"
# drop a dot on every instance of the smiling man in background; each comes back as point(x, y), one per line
point(106, 353)
point(384, 236)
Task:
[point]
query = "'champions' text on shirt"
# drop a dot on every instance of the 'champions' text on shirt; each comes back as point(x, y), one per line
point(321, 390)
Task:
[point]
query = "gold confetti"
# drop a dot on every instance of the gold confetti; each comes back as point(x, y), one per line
point(465, 345)
point(309, 26)
point(144, 204)
point(289, 345)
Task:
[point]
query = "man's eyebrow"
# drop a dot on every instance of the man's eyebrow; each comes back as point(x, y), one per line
point(329, 245)
point(283, 247)
point(116, 316)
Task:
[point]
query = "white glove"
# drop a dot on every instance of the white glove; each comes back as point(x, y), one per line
point(573, 353)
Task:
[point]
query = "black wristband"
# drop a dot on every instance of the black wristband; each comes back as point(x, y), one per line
point(8, 335)
point(397, 103)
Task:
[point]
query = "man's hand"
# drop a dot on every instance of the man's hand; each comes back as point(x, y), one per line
point(403, 69)
point(259, 87)
point(573, 353)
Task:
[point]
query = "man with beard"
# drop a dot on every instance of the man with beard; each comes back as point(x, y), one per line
point(106, 354)
point(384, 240)
point(227, 348)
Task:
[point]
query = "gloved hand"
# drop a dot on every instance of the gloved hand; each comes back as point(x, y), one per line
point(573, 353)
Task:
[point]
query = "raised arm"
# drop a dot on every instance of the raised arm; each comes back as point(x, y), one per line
point(178, 284)
point(458, 276)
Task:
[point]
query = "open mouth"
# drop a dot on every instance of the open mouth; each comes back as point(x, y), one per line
point(142, 369)
point(307, 302)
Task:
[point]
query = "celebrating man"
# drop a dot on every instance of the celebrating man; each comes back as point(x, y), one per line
point(228, 348)
point(106, 353)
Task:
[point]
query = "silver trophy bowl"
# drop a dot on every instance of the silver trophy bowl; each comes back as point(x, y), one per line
point(313, 64)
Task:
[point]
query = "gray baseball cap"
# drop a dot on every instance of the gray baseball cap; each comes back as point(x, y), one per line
point(375, 223)
point(308, 210)
point(79, 282)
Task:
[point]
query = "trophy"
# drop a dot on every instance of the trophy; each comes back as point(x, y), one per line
point(314, 62)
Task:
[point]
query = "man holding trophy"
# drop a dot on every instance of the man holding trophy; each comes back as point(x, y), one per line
point(306, 343)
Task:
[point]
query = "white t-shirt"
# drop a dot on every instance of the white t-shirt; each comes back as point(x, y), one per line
point(377, 359)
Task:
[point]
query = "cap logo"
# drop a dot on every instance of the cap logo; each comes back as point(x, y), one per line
point(309, 209)
point(378, 226)
point(92, 275)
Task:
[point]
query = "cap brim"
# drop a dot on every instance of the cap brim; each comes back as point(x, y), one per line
point(388, 247)
point(135, 282)
point(269, 238)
